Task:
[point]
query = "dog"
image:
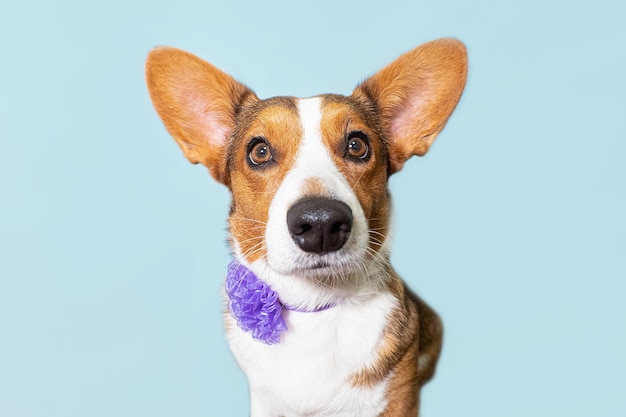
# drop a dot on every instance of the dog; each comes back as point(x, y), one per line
point(316, 316)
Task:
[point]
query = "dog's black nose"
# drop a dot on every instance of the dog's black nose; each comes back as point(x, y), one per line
point(319, 225)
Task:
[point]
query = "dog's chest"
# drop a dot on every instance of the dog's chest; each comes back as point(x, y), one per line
point(310, 371)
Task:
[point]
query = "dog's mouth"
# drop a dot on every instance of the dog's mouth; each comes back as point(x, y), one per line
point(314, 266)
point(327, 268)
point(321, 239)
point(320, 265)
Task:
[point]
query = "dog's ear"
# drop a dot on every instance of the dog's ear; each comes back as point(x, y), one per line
point(415, 95)
point(197, 103)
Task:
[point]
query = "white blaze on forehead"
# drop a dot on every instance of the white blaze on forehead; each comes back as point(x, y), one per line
point(313, 154)
point(313, 160)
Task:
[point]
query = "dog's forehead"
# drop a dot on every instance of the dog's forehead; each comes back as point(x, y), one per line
point(282, 111)
point(282, 115)
point(347, 107)
point(271, 118)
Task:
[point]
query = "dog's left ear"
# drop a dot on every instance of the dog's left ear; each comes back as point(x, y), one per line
point(415, 95)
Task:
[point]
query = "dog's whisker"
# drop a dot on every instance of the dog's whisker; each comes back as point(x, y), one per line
point(256, 228)
point(254, 249)
point(251, 239)
point(248, 220)
point(357, 181)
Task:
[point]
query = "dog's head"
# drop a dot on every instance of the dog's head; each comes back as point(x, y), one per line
point(309, 176)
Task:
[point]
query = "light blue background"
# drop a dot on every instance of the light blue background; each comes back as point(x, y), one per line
point(112, 247)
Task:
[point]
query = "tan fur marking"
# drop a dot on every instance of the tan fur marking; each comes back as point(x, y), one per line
point(413, 331)
point(341, 115)
point(253, 189)
point(399, 335)
point(313, 187)
point(403, 389)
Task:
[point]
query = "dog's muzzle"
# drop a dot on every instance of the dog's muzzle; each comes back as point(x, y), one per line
point(319, 225)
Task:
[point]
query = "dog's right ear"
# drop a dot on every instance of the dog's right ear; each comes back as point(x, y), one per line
point(197, 103)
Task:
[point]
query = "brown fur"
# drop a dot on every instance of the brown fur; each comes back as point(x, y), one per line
point(401, 109)
point(413, 97)
point(277, 121)
point(413, 334)
point(416, 94)
point(197, 103)
point(340, 115)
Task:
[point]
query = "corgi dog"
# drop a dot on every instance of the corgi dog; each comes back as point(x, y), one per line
point(316, 316)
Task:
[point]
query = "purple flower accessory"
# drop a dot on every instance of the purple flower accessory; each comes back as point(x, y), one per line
point(254, 304)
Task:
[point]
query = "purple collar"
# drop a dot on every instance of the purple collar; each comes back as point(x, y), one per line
point(255, 306)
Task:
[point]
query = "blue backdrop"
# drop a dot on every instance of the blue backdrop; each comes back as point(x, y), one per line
point(112, 246)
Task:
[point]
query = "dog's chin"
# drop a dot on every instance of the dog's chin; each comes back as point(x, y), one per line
point(324, 269)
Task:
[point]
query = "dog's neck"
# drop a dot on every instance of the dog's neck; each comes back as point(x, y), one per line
point(258, 307)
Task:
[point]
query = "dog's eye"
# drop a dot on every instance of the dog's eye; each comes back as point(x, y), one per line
point(259, 151)
point(357, 146)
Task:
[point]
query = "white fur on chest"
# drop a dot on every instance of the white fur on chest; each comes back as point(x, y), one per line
point(309, 372)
